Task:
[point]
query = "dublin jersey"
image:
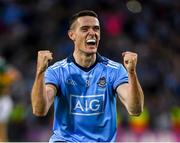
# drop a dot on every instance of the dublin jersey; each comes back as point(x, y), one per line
point(85, 104)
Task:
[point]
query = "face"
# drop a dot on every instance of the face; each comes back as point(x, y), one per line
point(86, 34)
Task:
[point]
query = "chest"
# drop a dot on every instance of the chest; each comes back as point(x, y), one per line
point(93, 82)
point(87, 93)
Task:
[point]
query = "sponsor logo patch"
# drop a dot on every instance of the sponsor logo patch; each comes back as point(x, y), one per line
point(71, 82)
point(87, 105)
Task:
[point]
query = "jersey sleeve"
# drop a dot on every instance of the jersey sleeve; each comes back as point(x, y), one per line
point(121, 77)
point(51, 77)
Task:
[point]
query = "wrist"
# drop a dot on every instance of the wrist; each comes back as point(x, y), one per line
point(131, 72)
point(39, 72)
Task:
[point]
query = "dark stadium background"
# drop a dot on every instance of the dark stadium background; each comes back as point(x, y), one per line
point(149, 27)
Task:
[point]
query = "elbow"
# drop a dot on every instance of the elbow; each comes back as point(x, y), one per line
point(39, 110)
point(136, 111)
point(39, 113)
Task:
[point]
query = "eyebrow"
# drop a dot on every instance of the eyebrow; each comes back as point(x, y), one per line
point(86, 26)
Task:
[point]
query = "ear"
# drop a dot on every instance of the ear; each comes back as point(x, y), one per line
point(71, 35)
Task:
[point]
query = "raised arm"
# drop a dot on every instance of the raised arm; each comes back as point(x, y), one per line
point(42, 96)
point(131, 93)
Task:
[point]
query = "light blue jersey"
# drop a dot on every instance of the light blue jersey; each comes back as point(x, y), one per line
point(85, 105)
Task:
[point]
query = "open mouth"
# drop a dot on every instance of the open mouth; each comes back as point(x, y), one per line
point(91, 42)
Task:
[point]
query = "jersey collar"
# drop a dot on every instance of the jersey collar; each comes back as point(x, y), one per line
point(99, 59)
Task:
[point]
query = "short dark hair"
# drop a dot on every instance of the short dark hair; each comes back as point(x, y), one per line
point(81, 14)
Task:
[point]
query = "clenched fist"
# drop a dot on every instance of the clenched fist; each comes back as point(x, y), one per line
point(130, 61)
point(44, 57)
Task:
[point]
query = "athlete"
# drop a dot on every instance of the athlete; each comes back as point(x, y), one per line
point(84, 86)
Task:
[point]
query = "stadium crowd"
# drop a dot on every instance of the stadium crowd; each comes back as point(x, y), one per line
point(150, 28)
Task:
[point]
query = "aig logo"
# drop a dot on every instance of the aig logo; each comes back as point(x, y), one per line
point(87, 105)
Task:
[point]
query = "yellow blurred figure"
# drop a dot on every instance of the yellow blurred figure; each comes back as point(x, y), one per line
point(175, 119)
point(139, 124)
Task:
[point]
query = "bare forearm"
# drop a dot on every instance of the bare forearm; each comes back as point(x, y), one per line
point(133, 96)
point(38, 98)
point(135, 93)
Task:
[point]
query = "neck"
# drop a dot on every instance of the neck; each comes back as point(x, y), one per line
point(84, 60)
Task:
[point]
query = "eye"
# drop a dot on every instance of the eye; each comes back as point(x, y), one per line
point(84, 29)
point(96, 28)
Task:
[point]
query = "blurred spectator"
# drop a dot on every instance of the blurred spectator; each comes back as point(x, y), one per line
point(8, 75)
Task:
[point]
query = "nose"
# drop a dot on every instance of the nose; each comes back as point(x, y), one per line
point(91, 32)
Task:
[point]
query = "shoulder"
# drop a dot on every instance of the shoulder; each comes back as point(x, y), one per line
point(59, 64)
point(112, 64)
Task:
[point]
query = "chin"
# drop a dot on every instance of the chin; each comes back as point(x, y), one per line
point(91, 52)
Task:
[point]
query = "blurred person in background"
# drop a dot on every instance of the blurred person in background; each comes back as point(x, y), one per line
point(83, 86)
point(8, 75)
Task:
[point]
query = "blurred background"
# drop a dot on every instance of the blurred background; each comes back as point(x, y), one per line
point(149, 27)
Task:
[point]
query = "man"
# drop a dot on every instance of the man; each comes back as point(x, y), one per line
point(84, 86)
